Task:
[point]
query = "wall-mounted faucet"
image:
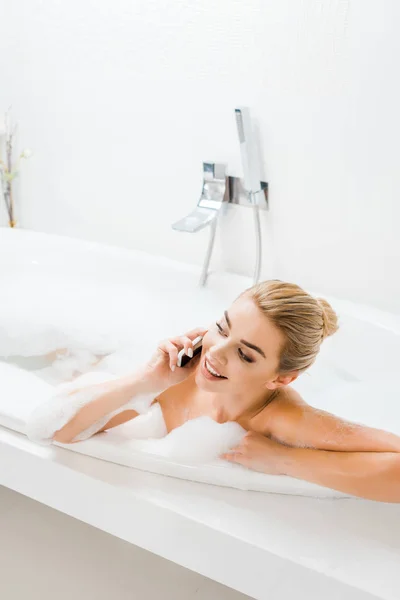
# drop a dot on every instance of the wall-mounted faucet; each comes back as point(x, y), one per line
point(213, 194)
point(219, 188)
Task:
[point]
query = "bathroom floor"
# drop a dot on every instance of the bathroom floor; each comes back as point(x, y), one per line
point(46, 554)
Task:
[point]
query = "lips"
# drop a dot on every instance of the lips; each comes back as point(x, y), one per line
point(210, 372)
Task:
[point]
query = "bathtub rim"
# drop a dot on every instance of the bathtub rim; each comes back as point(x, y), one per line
point(205, 545)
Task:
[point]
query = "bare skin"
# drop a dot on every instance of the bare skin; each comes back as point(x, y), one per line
point(286, 435)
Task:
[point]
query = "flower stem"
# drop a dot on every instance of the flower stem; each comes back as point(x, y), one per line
point(11, 209)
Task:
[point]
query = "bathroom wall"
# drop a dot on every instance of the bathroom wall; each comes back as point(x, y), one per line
point(122, 101)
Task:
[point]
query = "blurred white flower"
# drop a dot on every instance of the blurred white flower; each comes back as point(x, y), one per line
point(26, 153)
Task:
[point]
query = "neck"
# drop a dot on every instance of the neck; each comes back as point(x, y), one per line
point(231, 407)
point(239, 406)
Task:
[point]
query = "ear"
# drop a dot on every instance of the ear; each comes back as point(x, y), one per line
point(281, 380)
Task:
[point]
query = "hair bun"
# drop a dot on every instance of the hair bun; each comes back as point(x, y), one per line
point(329, 318)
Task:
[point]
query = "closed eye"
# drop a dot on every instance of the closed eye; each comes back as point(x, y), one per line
point(244, 356)
point(221, 331)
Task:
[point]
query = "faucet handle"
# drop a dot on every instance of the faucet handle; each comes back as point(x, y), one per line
point(215, 189)
point(214, 171)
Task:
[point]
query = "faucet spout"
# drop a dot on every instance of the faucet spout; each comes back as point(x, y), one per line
point(214, 193)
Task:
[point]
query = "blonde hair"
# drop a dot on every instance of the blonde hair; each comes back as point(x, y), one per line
point(304, 320)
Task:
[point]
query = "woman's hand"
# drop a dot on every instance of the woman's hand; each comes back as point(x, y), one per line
point(162, 370)
point(259, 453)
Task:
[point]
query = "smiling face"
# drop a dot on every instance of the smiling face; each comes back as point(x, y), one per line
point(241, 352)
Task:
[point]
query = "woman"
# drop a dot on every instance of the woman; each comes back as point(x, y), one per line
point(263, 342)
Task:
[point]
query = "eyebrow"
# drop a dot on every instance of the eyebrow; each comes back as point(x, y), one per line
point(248, 344)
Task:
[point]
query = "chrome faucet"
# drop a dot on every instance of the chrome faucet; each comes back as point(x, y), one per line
point(213, 194)
point(220, 188)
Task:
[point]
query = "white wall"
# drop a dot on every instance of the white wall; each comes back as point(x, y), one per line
point(122, 100)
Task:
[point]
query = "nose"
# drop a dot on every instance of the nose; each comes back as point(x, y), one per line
point(217, 354)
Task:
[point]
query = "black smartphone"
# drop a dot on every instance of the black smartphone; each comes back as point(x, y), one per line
point(183, 358)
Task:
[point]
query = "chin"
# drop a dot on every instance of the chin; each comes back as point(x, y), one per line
point(203, 384)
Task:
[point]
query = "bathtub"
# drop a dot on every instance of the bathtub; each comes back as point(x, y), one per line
point(264, 545)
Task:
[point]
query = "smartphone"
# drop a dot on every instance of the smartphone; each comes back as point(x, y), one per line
point(183, 358)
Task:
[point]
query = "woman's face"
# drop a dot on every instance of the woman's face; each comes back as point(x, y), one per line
point(241, 352)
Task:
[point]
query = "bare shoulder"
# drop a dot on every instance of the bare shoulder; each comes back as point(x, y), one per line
point(289, 397)
point(286, 405)
point(293, 422)
point(288, 400)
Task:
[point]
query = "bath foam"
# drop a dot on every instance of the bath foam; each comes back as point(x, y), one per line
point(199, 441)
point(85, 316)
point(102, 326)
point(69, 398)
point(189, 452)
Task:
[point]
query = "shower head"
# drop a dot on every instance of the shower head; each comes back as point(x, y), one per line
point(248, 150)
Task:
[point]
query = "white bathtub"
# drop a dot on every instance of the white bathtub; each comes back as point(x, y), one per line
point(260, 544)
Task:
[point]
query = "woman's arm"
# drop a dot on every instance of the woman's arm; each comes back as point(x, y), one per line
point(370, 475)
point(294, 422)
point(76, 415)
point(104, 401)
point(321, 448)
point(120, 419)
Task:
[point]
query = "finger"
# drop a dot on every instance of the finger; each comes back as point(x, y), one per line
point(188, 345)
point(172, 351)
point(184, 342)
point(194, 333)
point(236, 449)
point(226, 456)
point(232, 456)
